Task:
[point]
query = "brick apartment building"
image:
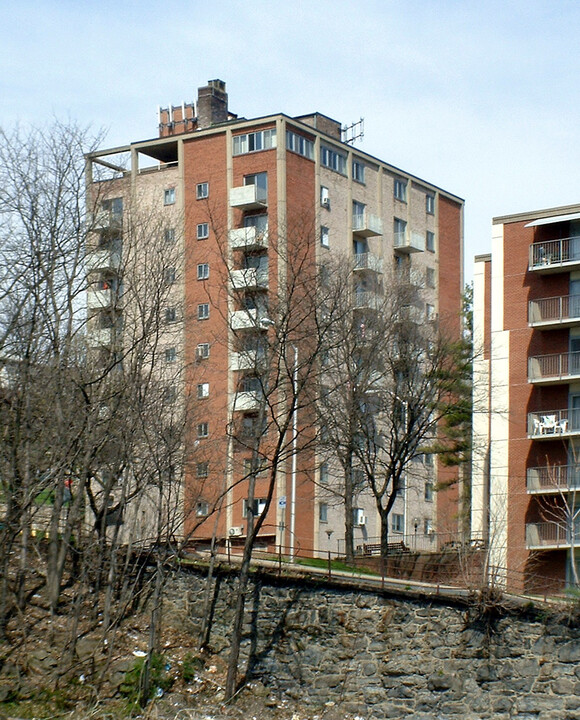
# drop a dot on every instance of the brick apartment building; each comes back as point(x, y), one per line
point(228, 190)
point(527, 396)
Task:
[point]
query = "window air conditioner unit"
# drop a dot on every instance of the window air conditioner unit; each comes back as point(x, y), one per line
point(360, 518)
point(236, 531)
point(326, 203)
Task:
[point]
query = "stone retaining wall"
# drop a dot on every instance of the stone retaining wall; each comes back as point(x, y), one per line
point(382, 656)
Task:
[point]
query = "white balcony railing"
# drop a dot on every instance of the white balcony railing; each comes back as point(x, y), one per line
point(248, 197)
point(553, 479)
point(552, 535)
point(551, 424)
point(560, 310)
point(244, 360)
point(554, 368)
point(367, 224)
point(99, 337)
point(249, 319)
point(409, 242)
point(248, 238)
point(553, 255)
point(368, 261)
point(247, 401)
point(102, 260)
point(249, 279)
point(99, 298)
point(107, 220)
point(363, 299)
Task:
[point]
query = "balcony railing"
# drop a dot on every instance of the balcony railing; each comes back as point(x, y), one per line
point(553, 479)
point(409, 242)
point(107, 220)
point(247, 360)
point(367, 224)
point(248, 238)
point(551, 535)
point(247, 401)
point(249, 319)
point(249, 279)
point(560, 310)
point(364, 299)
point(99, 298)
point(248, 197)
point(551, 424)
point(554, 368)
point(102, 260)
point(368, 261)
point(555, 255)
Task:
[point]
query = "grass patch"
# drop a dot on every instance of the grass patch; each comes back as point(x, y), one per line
point(334, 565)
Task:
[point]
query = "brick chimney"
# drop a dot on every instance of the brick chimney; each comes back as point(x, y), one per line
point(212, 104)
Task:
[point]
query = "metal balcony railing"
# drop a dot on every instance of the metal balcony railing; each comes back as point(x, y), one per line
point(553, 479)
point(552, 535)
point(367, 224)
point(554, 368)
point(368, 261)
point(560, 310)
point(552, 255)
point(550, 424)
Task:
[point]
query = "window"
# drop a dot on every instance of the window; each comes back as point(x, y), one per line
point(397, 524)
point(400, 231)
point(169, 196)
point(203, 271)
point(201, 508)
point(113, 206)
point(298, 144)
point(358, 171)
point(202, 351)
point(430, 204)
point(400, 190)
point(428, 526)
point(202, 390)
point(202, 231)
point(260, 466)
point(203, 311)
point(430, 277)
point(429, 312)
point(253, 142)
point(202, 469)
point(170, 354)
point(332, 159)
point(170, 275)
point(429, 491)
point(202, 430)
point(202, 191)
point(260, 180)
point(430, 241)
point(324, 474)
point(170, 315)
point(170, 235)
point(429, 460)
point(324, 197)
point(323, 512)
point(324, 236)
point(257, 507)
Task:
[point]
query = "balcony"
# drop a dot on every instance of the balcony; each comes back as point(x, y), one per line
point(247, 401)
point(102, 260)
point(551, 536)
point(248, 197)
point(363, 299)
point(560, 311)
point(553, 479)
point(409, 242)
point(548, 369)
point(244, 360)
point(249, 319)
point(552, 256)
point(107, 220)
point(367, 225)
point(553, 424)
point(250, 279)
point(100, 337)
point(368, 261)
point(248, 238)
point(99, 298)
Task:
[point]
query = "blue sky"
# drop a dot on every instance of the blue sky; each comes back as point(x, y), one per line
point(479, 98)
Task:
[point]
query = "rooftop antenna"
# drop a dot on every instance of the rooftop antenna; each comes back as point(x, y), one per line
point(353, 132)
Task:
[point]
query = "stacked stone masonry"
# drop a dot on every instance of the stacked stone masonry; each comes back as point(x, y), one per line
point(382, 656)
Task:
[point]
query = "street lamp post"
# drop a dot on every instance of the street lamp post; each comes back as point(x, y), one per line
point(329, 533)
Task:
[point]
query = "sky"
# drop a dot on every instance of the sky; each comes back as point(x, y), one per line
point(480, 98)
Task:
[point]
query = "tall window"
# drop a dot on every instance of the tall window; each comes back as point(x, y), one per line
point(333, 159)
point(324, 197)
point(170, 236)
point(358, 171)
point(260, 180)
point(430, 204)
point(203, 311)
point(202, 430)
point(203, 271)
point(299, 144)
point(397, 525)
point(323, 512)
point(400, 231)
point(202, 390)
point(170, 355)
point(202, 231)
point(324, 236)
point(170, 315)
point(400, 190)
point(430, 241)
point(170, 275)
point(324, 474)
point(202, 191)
point(202, 469)
point(169, 196)
point(203, 351)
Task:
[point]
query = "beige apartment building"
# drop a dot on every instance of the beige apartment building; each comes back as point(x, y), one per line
point(230, 197)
